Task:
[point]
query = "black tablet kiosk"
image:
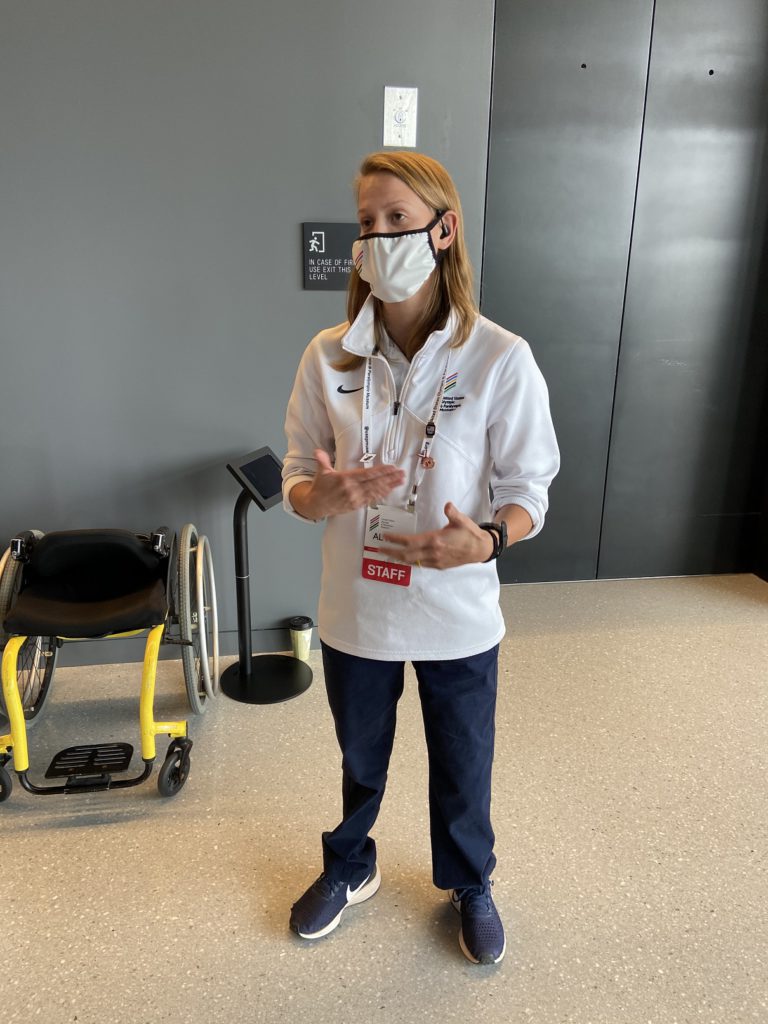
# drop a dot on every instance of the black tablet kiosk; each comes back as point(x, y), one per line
point(257, 678)
point(260, 473)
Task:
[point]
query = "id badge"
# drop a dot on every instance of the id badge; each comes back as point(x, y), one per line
point(379, 520)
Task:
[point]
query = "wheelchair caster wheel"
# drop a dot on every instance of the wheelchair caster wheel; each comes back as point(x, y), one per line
point(175, 768)
point(6, 784)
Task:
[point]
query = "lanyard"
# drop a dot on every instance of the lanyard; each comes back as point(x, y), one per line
point(424, 459)
point(367, 420)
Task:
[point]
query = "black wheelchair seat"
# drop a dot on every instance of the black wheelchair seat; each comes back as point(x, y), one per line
point(90, 583)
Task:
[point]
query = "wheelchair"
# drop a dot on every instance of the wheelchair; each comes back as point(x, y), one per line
point(90, 584)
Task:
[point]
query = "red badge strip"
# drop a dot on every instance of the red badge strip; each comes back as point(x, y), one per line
point(387, 572)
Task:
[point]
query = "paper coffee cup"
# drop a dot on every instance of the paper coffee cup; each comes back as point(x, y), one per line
point(301, 636)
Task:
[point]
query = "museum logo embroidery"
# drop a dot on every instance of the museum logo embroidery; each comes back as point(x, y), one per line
point(450, 402)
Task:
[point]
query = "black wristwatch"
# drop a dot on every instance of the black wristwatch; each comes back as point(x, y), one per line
point(498, 532)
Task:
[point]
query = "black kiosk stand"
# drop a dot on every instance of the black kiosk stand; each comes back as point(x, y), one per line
point(260, 678)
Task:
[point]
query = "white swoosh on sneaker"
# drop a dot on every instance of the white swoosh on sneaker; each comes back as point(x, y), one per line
point(354, 892)
point(367, 888)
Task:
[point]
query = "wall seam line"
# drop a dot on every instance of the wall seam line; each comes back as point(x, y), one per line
point(488, 153)
point(624, 300)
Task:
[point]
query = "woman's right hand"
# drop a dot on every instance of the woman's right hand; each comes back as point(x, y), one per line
point(332, 492)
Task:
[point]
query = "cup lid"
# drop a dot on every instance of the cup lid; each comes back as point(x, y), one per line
point(300, 622)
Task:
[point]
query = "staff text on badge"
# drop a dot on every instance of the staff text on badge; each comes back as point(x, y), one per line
point(327, 249)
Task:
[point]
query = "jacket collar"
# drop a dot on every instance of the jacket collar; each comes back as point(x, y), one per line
point(359, 338)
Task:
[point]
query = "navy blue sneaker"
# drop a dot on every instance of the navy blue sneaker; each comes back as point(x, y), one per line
point(319, 910)
point(482, 934)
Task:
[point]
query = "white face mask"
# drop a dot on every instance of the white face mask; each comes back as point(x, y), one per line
point(396, 265)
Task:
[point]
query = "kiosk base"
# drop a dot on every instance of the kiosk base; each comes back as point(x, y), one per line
point(274, 678)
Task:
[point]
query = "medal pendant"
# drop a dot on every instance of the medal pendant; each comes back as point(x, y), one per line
point(427, 462)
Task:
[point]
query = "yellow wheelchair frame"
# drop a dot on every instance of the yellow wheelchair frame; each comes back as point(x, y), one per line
point(15, 743)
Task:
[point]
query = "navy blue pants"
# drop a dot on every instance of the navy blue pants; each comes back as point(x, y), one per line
point(458, 702)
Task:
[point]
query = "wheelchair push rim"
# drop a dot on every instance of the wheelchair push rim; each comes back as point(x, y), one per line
point(198, 618)
point(205, 586)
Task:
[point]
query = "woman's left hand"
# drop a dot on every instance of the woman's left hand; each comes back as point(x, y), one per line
point(460, 542)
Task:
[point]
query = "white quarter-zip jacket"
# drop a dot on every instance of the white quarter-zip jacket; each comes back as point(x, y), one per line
point(494, 429)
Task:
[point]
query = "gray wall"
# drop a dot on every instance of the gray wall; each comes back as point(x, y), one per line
point(692, 369)
point(158, 159)
point(565, 144)
point(627, 201)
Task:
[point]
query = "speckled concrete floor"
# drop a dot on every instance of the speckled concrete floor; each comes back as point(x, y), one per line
point(630, 809)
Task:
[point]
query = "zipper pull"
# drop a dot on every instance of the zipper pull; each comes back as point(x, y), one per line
point(395, 408)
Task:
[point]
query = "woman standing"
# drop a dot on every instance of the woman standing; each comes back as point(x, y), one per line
point(420, 432)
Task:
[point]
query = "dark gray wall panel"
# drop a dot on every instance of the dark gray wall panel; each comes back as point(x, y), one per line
point(688, 398)
point(564, 152)
point(756, 536)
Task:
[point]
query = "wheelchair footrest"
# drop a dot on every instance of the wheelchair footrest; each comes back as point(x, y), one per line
point(89, 760)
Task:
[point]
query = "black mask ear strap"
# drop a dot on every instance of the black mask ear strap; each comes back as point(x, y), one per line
point(444, 232)
point(444, 229)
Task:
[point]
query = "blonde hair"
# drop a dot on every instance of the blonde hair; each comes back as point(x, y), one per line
point(451, 281)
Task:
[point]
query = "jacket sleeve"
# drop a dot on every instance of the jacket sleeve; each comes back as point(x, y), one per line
point(307, 426)
point(524, 453)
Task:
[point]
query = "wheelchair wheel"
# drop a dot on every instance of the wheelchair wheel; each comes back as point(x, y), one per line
point(175, 770)
point(37, 657)
point(198, 618)
point(6, 783)
point(10, 582)
point(34, 675)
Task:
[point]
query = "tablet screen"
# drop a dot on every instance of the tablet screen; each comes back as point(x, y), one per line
point(260, 474)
